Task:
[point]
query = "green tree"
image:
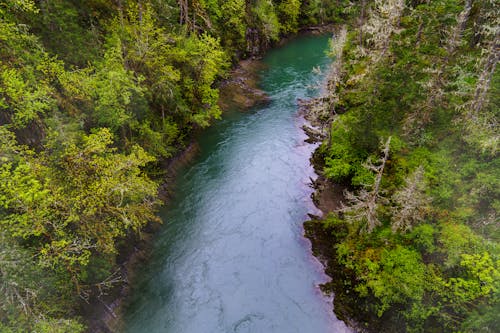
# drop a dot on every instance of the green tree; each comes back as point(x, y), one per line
point(267, 20)
point(288, 12)
point(76, 203)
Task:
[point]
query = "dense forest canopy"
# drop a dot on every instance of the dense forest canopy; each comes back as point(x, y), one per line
point(93, 95)
point(413, 105)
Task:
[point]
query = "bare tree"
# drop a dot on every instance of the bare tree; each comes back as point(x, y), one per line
point(454, 38)
point(416, 121)
point(362, 207)
point(384, 21)
point(361, 22)
point(411, 202)
point(320, 110)
point(488, 63)
point(183, 12)
point(200, 11)
point(336, 50)
point(480, 122)
point(15, 266)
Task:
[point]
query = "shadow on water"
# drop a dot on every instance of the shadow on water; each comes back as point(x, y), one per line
point(231, 256)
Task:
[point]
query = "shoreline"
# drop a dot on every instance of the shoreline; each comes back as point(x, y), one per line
point(328, 197)
point(103, 314)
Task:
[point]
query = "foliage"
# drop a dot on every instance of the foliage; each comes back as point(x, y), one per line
point(77, 202)
point(423, 73)
point(30, 293)
point(319, 12)
point(396, 278)
point(267, 19)
point(289, 11)
point(93, 96)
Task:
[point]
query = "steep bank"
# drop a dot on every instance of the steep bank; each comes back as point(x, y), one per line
point(240, 91)
point(329, 197)
point(103, 314)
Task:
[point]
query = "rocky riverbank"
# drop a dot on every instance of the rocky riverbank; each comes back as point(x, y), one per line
point(240, 91)
point(328, 198)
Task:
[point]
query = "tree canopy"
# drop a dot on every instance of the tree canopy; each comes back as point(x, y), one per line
point(94, 95)
point(418, 239)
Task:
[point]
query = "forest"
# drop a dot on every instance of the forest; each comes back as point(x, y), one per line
point(96, 94)
point(410, 120)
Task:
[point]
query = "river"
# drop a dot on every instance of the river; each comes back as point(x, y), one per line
point(231, 256)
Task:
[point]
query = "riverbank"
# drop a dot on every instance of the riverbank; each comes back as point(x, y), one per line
point(416, 247)
point(240, 91)
point(103, 315)
point(328, 197)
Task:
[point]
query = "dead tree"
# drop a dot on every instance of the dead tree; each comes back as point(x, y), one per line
point(455, 36)
point(416, 121)
point(362, 207)
point(479, 120)
point(361, 22)
point(410, 202)
point(183, 12)
point(384, 21)
point(488, 66)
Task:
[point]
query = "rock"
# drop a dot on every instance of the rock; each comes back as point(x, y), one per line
point(241, 91)
point(314, 134)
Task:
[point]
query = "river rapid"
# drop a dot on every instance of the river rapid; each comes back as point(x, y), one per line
point(231, 256)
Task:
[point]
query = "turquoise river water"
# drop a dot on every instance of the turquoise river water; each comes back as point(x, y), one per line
point(231, 256)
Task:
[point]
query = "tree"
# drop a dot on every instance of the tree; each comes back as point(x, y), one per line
point(426, 72)
point(383, 22)
point(435, 86)
point(397, 278)
point(114, 89)
point(267, 20)
point(455, 36)
point(363, 206)
point(410, 202)
point(480, 122)
point(25, 100)
point(76, 202)
point(288, 11)
point(32, 298)
point(321, 110)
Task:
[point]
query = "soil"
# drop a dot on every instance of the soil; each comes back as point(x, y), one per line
point(241, 90)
